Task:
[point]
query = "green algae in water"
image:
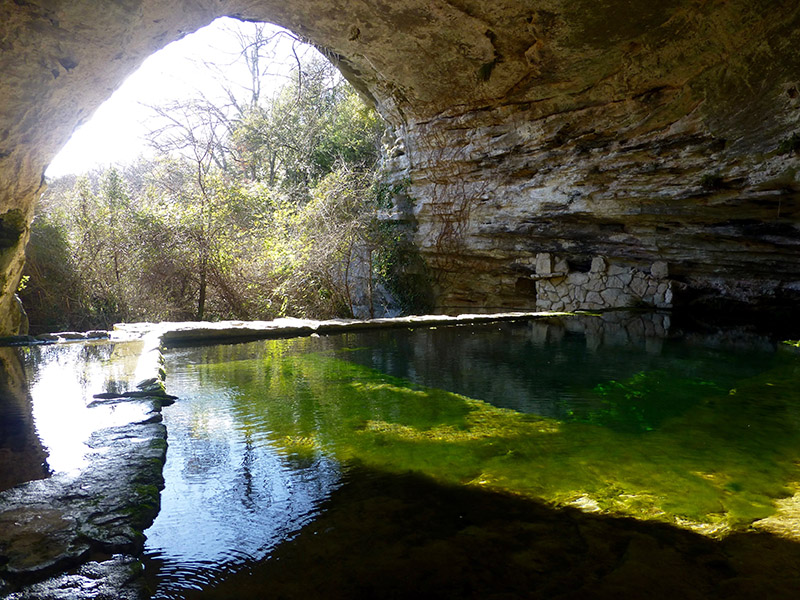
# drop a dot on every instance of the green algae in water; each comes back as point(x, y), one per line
point(644, 401)
point(654, 445)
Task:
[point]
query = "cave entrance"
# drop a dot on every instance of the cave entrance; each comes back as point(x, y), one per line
point(245, 191)
point(227, 63)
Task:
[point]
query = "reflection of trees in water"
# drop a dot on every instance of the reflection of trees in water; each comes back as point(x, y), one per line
point(230, 496)
point(96, 367)
point(22, 457)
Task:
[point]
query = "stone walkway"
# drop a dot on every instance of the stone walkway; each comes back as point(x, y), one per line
point(79, 534)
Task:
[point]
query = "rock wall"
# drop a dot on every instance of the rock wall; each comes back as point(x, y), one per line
point(637, 131)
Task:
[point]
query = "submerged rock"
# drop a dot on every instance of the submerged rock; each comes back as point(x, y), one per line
point(51, 525)
point(119, 578)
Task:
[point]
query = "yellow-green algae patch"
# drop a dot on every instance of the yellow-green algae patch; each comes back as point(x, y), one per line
point(718, 463)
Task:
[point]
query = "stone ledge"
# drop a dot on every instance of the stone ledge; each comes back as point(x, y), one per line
point(207, 332)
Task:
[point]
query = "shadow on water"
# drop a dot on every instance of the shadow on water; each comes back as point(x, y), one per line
point(405, 536)
point(451, 463)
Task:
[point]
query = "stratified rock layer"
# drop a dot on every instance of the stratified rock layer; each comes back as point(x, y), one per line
point(636, 131)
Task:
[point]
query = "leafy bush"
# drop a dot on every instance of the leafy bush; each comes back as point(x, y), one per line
point(266, 211)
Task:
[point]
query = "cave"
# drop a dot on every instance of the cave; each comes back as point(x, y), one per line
point(652, 141)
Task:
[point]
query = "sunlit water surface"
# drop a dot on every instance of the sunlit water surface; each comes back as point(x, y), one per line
point(703, 433)
point(48, 408)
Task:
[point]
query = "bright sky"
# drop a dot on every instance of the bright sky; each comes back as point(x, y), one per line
point(115, 134)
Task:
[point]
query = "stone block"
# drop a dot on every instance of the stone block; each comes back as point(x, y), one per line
point(544, 263)
point(618, 270)
point(639, 285)
point(578, 279)
point(594, 298)
point(595, 284)
point(625, 278)
point(659, 270)
point(611, 296)
point(599, 265)
point(615, 282)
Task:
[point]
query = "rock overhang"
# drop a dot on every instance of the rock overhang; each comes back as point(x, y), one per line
point(543, 127)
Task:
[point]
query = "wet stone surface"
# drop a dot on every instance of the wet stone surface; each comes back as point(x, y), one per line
point(51, 525)
point(118, 578)
point(78, 534)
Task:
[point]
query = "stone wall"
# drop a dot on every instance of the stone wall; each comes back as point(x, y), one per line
point(603, 286)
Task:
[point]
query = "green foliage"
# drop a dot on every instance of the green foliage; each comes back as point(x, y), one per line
point(400, 268)
point(311, 126)
point(265, 209)
point(53, 294)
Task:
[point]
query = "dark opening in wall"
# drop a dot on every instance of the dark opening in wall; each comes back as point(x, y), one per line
point(579, 264)
point(525, 286)
point(12, 225)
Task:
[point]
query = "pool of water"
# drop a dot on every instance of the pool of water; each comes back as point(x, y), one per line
point(47, 409)
point(476, 461)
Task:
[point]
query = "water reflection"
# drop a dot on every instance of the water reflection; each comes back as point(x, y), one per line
point(701, 436)
point(545, 367)
point(231, 496)
point(62, 380)
point(22, 457)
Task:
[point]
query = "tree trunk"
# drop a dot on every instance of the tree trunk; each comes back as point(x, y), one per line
point(369, 284)
point(201, 300)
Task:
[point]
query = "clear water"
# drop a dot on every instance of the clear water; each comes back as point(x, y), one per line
point(349, 466)
point(47, 413)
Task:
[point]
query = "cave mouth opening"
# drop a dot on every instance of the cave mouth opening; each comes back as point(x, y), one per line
point(221, 61)
point(245, 187)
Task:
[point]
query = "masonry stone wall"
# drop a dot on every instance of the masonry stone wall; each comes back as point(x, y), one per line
point(605, 285)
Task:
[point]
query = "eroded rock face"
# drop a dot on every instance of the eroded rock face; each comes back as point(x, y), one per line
point(628, 129)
